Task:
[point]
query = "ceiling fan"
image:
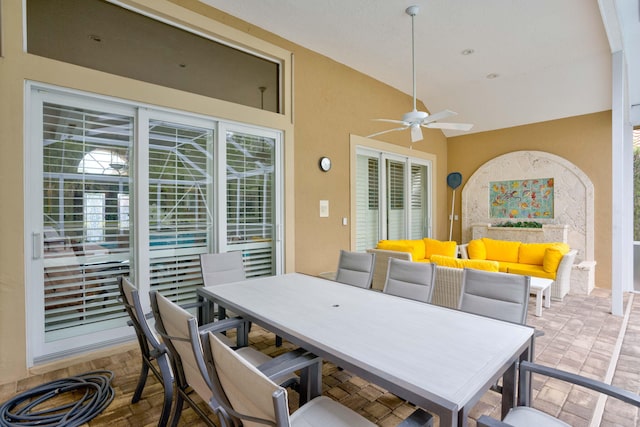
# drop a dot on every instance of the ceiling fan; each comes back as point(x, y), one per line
point(415, 119)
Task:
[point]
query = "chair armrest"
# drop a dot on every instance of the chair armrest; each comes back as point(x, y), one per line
point(608, 389)
point(224, 325)
point(485, 421)
point(419, 418)
point(288, 363)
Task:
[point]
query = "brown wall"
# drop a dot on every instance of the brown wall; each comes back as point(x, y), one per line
point(584, 141)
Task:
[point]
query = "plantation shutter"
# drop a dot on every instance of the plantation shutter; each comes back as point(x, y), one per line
point(86, 232)
point(251, 201)
point(180, 217)
point(367, 202)
point(396, 202)
point(418, 185)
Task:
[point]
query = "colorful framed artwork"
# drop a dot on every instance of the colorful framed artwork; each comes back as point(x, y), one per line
point(527, 198)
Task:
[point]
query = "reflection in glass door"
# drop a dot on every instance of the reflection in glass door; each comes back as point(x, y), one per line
point(85, 183)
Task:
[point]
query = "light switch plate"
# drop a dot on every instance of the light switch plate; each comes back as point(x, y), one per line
point(324, 208)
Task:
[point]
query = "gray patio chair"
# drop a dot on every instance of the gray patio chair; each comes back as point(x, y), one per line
point(179, 330)
point(252, 399)
point(151, 349)
point(501, 296)
point(356, 269)
point(408, 279)
point(219, 268)
point(524, 416)
point(224, 267)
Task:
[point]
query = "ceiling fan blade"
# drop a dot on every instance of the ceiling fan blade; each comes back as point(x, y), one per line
point(416, 133)
point(439, 116)
point(386, 131)
point(451, 126)
point(391, 121)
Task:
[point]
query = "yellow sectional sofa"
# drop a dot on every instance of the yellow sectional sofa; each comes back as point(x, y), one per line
point(547, 260)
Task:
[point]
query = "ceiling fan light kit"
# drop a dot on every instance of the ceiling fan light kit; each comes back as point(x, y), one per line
point(416, 120)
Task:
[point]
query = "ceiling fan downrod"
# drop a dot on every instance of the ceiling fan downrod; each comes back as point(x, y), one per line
point(413, 11)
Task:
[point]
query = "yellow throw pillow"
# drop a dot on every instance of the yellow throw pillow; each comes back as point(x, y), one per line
point(439, 247)
point(478, 264)
point(553, 255)
point(414, 247)
point(476, 249)
point(501, 250)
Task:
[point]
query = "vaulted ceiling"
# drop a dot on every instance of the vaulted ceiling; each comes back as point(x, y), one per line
point(498, 63)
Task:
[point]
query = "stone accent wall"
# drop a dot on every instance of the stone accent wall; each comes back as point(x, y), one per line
point(573, 195)
point(548, 233)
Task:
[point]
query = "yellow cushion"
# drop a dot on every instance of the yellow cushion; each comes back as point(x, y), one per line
point(532, 253)
point(438, 247)
point(476, 249)
point(478, 264)
point(553, 255)
point(501, 250)
point(530, 270)
point(414, 247)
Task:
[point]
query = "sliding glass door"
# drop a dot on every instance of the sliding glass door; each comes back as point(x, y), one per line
point(120, 189)
point(392, 198)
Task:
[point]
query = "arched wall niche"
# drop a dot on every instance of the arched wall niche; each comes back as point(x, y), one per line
point(573, 195)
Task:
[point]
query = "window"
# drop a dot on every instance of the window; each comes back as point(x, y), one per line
point(98, 34)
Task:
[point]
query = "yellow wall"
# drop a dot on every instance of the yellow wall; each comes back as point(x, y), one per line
point(583, 140)
point(330, 102)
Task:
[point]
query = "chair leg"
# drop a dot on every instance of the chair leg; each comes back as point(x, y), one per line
point(176, 411)
point(144, 372)
point(167, 384)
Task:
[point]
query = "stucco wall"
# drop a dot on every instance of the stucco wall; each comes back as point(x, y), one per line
point(330, 102)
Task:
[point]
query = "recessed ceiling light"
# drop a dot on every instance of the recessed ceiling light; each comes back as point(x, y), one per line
point(467, 52)
point(493, 76)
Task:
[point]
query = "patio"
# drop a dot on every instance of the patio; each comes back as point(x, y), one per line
point(579, 336)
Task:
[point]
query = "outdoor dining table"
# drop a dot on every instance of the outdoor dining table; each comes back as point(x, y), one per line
point(439, 359)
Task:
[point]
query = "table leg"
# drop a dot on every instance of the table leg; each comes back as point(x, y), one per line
point(547, 297)
point(538, 302)
point(509, 389)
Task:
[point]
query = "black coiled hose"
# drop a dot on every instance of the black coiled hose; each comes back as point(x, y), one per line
point(89, 394)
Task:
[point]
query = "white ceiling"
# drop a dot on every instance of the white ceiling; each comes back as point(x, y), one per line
point(552, 57)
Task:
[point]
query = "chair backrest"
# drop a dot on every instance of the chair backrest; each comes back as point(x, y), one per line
point(179, 330)
point(222, 267)
point(408, 279)
point(133, 306)
point(355, 268)
point(252, 396)
point(501, 296)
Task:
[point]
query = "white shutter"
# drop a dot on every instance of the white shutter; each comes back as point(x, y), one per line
point(367, 202)
point(180, 216)
point(251, 200)
point(418, 185)
point(85, 247)
point(396, 200)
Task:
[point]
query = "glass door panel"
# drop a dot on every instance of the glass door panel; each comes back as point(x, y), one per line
point(180, 206)
point(367, 202)
point(251, 200)
point(85, 218)
point(419, 213)
point(396, 211)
